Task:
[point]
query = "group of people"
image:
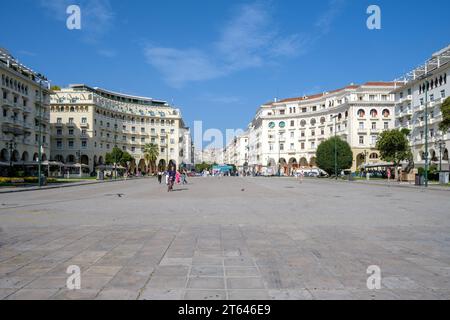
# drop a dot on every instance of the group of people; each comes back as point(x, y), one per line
point(172, 177)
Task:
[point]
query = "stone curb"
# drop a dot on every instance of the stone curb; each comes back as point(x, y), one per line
point(68, 185)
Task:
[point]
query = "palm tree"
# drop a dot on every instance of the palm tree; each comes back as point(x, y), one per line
point(151, 154)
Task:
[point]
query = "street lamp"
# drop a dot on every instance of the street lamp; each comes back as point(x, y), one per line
point(40, 135)
point(427, 84)
point(12, 145)
point(335, 146)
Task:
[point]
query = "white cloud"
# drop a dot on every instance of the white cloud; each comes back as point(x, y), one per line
point(181, 66)
point(248, 40)
point(326, 20)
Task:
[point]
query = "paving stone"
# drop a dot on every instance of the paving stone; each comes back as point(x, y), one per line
point(117, 294)
point(65, 294)
point(15, 282)
point(170, 282)
point(176, 271)
point(245, 283)
point(161, 294)
point(205, 295)
point(252, 295)
point(206, 283)
point(102, 271)
point(299, 294)
point(48, 283)
point(242, 272)
point(239, 262)
point(207, 261)
point(33, 294)
point(211, 271)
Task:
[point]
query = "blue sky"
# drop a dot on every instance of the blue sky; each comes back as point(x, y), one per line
point(218, 60)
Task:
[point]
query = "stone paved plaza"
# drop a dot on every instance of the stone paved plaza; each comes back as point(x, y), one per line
point(228, 238)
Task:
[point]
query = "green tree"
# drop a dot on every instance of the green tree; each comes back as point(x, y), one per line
point(326, 155)
point(151, 154)
point(394, 147)
point(200, 167)
point(119, 157)
point(445, 109)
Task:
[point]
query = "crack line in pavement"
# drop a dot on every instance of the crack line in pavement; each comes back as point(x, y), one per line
point(159, 262)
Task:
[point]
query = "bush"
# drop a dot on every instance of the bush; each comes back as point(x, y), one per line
point(31, 180)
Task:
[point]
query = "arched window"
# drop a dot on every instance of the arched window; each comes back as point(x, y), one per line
point(361, 113)
point(373, 113)
point(386, 113)
point(313, 122)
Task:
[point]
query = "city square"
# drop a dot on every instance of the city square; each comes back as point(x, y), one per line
point(185, 151)
point(226, 238)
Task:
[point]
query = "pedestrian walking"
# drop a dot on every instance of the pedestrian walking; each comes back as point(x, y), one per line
point(184, 177)
point(178, 177)
point(171, 176)
point(160, 174)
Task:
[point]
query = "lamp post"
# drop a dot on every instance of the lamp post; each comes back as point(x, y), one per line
point(40, 135)
point(427, 84)
point(335, 147)
point(12, 145)
point(79, 161)
point(279, 155)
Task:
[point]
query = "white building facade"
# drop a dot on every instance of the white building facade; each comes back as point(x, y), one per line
point(87, 123)
point(284, 135)
point(427, 87)
point(24, 118)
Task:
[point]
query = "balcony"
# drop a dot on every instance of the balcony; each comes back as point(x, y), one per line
point(7, 102)
point(27, 110)
point(84, 125)
point(362, 131)
point(58, 125)
point(405, 99)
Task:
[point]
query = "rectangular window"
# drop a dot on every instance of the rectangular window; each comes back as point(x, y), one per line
point(443, 94)
point(361, 139)
point(374, 140)
point(58, 144)
point(386, 126)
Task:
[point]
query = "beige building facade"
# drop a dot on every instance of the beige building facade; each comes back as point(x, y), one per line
point(24, 118)
point(87, 123)
point(284, 135)
point(426, 87)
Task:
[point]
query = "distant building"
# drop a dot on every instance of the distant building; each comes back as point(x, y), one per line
point(24, 118)
point(410, 104)
point(87, 123)
point(284, 135)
